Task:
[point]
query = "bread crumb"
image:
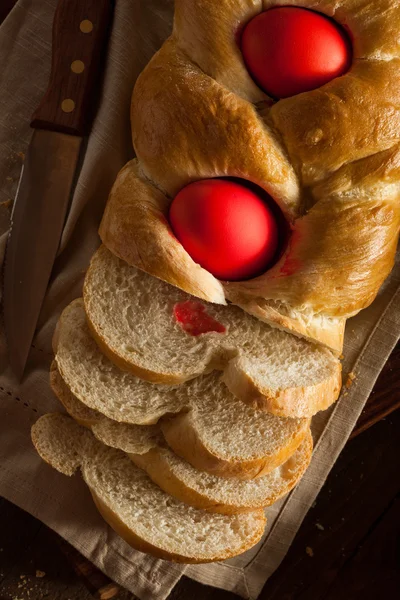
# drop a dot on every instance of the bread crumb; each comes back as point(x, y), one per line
point(350, 378)
point(40, 573)
point(21, 155)
point(319, 526)
point(309, 551)
point(341, 357)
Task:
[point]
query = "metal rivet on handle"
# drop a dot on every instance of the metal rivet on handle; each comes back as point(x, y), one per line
point(77, 66)
point(67, 105)
point(86, 26)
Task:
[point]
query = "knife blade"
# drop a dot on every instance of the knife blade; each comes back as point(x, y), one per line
point(61, 121)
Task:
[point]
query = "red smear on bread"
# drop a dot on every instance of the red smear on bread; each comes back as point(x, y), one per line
point(194, 319)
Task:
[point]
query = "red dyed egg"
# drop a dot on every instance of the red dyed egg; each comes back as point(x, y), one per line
point(226, 228)
point(290, 50)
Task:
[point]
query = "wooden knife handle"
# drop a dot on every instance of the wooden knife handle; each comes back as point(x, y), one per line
point(80, 33)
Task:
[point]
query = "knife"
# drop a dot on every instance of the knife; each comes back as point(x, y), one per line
point(63, 118)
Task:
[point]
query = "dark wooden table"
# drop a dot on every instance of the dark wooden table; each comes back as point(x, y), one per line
point(5, 7)
point(353, 531)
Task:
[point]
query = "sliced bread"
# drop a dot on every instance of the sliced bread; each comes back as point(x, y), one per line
point(135, 439)
point(136, 508)
point(146, 448)
point(146, 326)
point(203, 422)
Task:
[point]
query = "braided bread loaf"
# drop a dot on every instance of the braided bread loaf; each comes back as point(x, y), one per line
point(330, 158)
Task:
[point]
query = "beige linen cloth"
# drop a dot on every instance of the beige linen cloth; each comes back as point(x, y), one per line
point(65, 504)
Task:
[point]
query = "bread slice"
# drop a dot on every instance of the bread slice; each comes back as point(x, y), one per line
point(202, 421)
point(135, 439)
point(136, 508)
point(132, 318)
point(145, 447)
point(217, 494)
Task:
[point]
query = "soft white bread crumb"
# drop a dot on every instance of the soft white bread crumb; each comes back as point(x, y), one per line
point(218, 494)
point(131, 315)
point(145, 516)
point(146, 448)
point(203, 422)
point(135, 439)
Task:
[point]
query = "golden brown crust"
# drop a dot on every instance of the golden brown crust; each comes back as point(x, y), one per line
point(124, 365)
point(68, 465)
point(339, 271)
point(183, 437)
point(328, 331)
point(158, 469)
point(160, 472)
point(114, 355)
point(154, 462)
point(374, 27)
point(143, 546)
point(198, 135)
point(295, 402)
point(135, 228)
point(60, 388)
point(351, 118)
point(194, 116)
point(214, 48)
